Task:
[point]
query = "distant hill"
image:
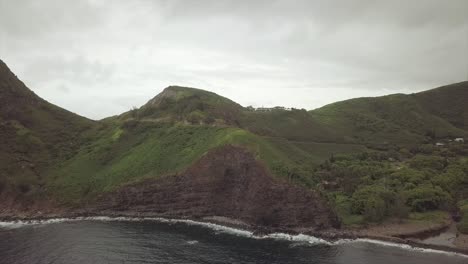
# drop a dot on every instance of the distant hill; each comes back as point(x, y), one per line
point(400, 118)
point(447, 102)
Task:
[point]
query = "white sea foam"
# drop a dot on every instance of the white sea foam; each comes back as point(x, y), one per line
point(301, 238)
point(192, 242)
point(22, 223)
point(404, 246)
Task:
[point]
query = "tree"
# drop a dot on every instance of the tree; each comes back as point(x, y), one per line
point(399, 209)
point(427, 162)
point(374, 209)
point(194, 117)
point(427, 197)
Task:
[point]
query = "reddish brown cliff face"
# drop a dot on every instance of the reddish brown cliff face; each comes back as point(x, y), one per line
point(225, 182)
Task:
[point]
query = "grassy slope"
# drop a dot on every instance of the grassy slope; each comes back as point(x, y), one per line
point(124, 153)
point(447, 102)
point(397, 119)
point(295, 125)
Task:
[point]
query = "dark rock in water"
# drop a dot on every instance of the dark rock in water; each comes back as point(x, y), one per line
point(227, 182)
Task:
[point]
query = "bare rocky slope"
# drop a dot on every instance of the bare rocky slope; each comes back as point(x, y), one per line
point(227, 182)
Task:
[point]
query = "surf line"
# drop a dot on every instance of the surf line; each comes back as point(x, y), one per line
point(227, 230)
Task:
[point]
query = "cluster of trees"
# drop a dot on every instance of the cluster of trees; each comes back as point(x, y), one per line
point(294, 174)
point(378, 185)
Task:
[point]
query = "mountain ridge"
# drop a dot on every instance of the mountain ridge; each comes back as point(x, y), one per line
point(34, 133)
point(50, 154)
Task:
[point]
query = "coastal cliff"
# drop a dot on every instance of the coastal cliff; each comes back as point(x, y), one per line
point(227, 182)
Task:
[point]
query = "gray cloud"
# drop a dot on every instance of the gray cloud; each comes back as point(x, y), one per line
point(100, 58)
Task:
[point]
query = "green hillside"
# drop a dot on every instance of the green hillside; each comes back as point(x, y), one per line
point(296, 125)
point(380, 148)
point(128, 152)
point(34, 134)
point(399, 118)
point(447, 102)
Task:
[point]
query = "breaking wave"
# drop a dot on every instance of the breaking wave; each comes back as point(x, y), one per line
point(301, 238)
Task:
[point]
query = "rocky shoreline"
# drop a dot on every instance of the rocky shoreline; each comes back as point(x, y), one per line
point(331, 235)
point(227, 187)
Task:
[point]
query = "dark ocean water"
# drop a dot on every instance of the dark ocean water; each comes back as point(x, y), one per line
point(86, 242)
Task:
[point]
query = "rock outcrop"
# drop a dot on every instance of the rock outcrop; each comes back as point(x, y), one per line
point(227, 182)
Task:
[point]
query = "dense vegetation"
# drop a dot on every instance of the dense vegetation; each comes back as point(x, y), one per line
point(373, 186)
point(447, 102)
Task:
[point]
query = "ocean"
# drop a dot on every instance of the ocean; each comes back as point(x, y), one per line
point(126, 240)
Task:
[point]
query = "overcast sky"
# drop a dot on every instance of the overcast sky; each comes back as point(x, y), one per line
point(100, 58)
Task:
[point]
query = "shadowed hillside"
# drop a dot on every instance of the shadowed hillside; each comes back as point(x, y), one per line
point(34, 134)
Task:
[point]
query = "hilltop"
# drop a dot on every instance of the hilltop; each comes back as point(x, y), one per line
point(190, 105)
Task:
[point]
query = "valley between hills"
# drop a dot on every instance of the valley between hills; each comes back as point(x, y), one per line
point(393, 167)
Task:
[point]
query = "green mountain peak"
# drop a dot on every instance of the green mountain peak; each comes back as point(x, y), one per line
point(184, 104)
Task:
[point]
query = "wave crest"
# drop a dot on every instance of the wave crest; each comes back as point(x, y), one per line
point(306, 239)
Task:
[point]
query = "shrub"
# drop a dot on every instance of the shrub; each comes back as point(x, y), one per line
point(427, 162)
point(373, 202)
point(208, 120)
point(426, 197)
point(374, 209)
point(407, 176)
point(195, 117)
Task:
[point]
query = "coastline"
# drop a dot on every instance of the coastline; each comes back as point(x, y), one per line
point(329, 236)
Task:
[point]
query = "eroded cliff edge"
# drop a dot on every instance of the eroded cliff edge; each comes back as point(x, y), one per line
point(227, 182)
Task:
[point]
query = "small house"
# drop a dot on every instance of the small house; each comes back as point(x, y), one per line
point(439, 144)
point(461, 140)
